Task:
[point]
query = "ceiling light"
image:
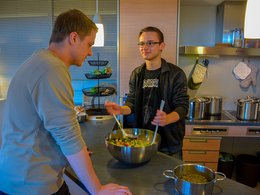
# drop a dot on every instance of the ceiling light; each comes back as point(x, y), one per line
point(99, 41)
point(252, 22)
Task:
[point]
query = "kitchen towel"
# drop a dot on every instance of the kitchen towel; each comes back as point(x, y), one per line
point(241, 70)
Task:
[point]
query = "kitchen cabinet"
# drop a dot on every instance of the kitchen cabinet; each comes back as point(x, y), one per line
point(202, 150)
point(204, 139)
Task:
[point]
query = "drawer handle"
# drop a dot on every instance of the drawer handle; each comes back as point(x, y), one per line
point(197, 152)
point(199, 140)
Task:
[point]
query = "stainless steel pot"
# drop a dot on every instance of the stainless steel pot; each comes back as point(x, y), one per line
point(247, 109)
point(213, 105)
point(189, 188)
point(197, 108)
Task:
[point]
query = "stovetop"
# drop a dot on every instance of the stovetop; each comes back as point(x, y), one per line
point(233, 113)
point(222, 116)
point(227, 117)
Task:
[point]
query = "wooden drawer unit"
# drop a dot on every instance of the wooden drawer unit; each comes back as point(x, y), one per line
point(202, 150)
point(200, 155)
point(213, 166)
point(201, 143)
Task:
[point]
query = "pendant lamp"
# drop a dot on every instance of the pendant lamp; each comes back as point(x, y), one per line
point(252, 21)
point(99, 41)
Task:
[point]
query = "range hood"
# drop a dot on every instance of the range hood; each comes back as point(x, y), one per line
point(229, 15)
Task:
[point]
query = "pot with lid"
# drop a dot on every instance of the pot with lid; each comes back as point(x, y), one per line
point(197, 108)
point(213, 105)
point(247, 109)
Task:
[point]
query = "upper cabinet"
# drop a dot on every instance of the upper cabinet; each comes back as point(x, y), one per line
point(208, 29)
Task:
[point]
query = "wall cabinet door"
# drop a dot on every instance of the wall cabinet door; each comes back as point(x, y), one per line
point(135, 15)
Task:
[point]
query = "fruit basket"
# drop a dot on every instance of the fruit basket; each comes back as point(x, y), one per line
point(100, 76)
point(98, 91)
point(98, 62)
point(100, 73)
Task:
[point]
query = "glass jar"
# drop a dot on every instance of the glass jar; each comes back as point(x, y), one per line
point(237, 38)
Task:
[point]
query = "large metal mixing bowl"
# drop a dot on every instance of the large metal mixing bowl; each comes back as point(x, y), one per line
point(133, 155)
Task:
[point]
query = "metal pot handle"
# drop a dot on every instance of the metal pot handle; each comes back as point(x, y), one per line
point(238, 103)
point(167, 172)
point(223, 176)
point(208, 100)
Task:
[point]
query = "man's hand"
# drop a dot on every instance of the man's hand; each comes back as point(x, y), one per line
point(160, 119)
point(114, 189)
point(113, 108)
point(163, 119)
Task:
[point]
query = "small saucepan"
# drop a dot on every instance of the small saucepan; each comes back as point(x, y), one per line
point(193, 179)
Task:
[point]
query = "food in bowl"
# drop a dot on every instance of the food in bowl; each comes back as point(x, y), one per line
point(194, 178)
point(138, 154)
point(129, 142)
point(193, 187)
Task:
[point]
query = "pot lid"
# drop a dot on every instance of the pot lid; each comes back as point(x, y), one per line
point(213, 97)
point(249, 99)
point(198, 99)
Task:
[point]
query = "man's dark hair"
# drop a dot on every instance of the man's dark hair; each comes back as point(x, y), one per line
point(153, 29)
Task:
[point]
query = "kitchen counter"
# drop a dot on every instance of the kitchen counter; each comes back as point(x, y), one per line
point(225, 125)
point(145, 179)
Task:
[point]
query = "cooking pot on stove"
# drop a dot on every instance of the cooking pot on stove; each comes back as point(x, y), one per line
point(197, 108)
point(213, 105)
point(247, 109)
point(187, 179)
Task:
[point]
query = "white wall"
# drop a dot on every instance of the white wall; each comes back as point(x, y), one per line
point(197, 27)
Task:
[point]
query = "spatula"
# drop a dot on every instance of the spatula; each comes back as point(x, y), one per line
point(121, 128)
point(156, 128)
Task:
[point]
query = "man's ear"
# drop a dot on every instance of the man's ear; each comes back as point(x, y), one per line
point(162, 46)
point(73, 37)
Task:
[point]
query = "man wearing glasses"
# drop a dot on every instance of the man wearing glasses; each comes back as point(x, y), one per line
point(153, 81)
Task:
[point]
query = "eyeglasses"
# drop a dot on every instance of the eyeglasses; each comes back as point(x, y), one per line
point(148, 43)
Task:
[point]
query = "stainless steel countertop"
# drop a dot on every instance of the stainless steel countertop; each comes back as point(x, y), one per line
point(146, 179)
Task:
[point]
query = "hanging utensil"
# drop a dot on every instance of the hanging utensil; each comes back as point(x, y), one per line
point(156, 128)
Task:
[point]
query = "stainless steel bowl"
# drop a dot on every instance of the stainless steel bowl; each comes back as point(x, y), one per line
point(133, 155)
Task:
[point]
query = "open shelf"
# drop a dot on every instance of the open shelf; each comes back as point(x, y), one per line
point(225, 51)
